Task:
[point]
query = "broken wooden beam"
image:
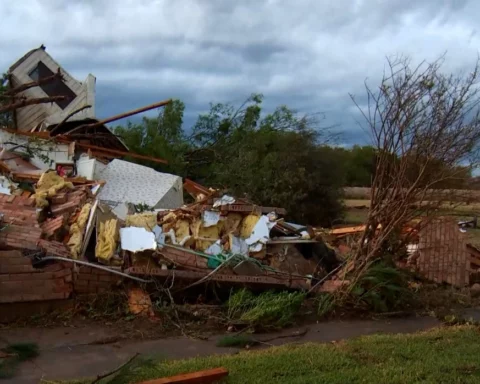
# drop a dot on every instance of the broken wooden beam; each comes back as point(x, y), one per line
point(67, 140)
point(123, 115)
point(27, 102)
point(32, 84)
point(120, 153)
point(199, 377)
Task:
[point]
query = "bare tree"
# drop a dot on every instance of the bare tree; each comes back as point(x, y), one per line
point(425, 126)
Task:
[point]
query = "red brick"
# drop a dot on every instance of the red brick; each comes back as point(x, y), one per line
point(62, 273)
point(85, 270)
point(64, 208)
point(13, 253)
point(5, 277)
point(31, 276)
point(55, 267)
point(80, 283)
point(18, 297)
point(89, 276)
point(109, 278)
point(16, 269)
point(54, 248)
point(16, 261)
point(56, 296)
point(12, 286)
point(103, 284)
point(84, 289)
point(59, 198)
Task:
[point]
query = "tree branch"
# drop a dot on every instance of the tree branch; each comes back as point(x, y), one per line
point(32, 84)
point(26, 102)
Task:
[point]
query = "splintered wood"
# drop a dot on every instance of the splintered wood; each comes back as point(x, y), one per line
point(443, 255)
point(200, 377)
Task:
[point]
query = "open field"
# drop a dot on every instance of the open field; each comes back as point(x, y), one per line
point(357, 210)
point(443, 355)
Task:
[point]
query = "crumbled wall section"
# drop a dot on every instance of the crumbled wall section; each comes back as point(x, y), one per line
point(443, 256)
point(90, 280)
point(18, 210)
point(20, 282)
point(20, 237)
point(54, 248)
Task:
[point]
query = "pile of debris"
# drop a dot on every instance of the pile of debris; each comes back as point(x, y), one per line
point(68, 199)
point(224, 239)
point(217, 238)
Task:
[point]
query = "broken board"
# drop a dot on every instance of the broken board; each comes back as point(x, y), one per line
point(200, 377)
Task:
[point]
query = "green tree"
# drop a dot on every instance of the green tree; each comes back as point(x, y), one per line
point(278, 159)
point(160, 137)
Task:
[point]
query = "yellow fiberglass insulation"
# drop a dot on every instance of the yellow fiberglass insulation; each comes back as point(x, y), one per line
point(107, 240)
point(76, 231)
point(142, 220)
point(47, 186)
point(231, 224)
point(205, 236)
point(182, 229)
point(248, 223)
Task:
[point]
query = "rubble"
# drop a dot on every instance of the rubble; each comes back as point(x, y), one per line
point(100, 219)
point(218, 238)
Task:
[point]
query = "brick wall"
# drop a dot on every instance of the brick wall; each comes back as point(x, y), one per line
point(20, 282)
point(93, 280)
point(443, 256)
point(20, 237)
point(54, 248)
point(54, 227)
point(19, 210)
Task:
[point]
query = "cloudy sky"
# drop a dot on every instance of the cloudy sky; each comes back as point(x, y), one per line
point(307, 54)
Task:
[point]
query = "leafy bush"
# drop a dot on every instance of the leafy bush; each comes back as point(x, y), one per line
point(269, 309)
point(382, 288)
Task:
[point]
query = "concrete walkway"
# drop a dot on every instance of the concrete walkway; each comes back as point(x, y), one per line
point(72, 353)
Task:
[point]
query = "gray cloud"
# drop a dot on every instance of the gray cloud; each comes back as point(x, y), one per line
point(309, 56)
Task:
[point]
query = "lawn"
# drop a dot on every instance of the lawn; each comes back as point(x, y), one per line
point(444, 355)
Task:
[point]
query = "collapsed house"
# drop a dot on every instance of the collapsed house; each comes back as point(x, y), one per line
point(69, 208)
point(38, 64)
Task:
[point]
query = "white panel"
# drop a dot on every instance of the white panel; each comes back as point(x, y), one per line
point(99, 167)
point(86, 168)
point(134, 183)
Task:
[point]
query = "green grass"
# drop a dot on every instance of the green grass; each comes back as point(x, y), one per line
point(355, 216)
point(445, 355)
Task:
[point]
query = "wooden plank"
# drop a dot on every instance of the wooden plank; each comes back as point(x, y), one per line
point(475, 261)
point(121, 153)
point(347, 230)
point(200, 377)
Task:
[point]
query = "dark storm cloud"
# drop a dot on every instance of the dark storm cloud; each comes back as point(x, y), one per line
point(309, 55)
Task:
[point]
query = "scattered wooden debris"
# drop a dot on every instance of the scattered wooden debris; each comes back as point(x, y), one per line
point(200, 377)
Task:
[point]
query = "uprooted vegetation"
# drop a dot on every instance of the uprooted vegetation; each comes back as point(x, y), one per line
point(381, 288)
point(267, 310)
